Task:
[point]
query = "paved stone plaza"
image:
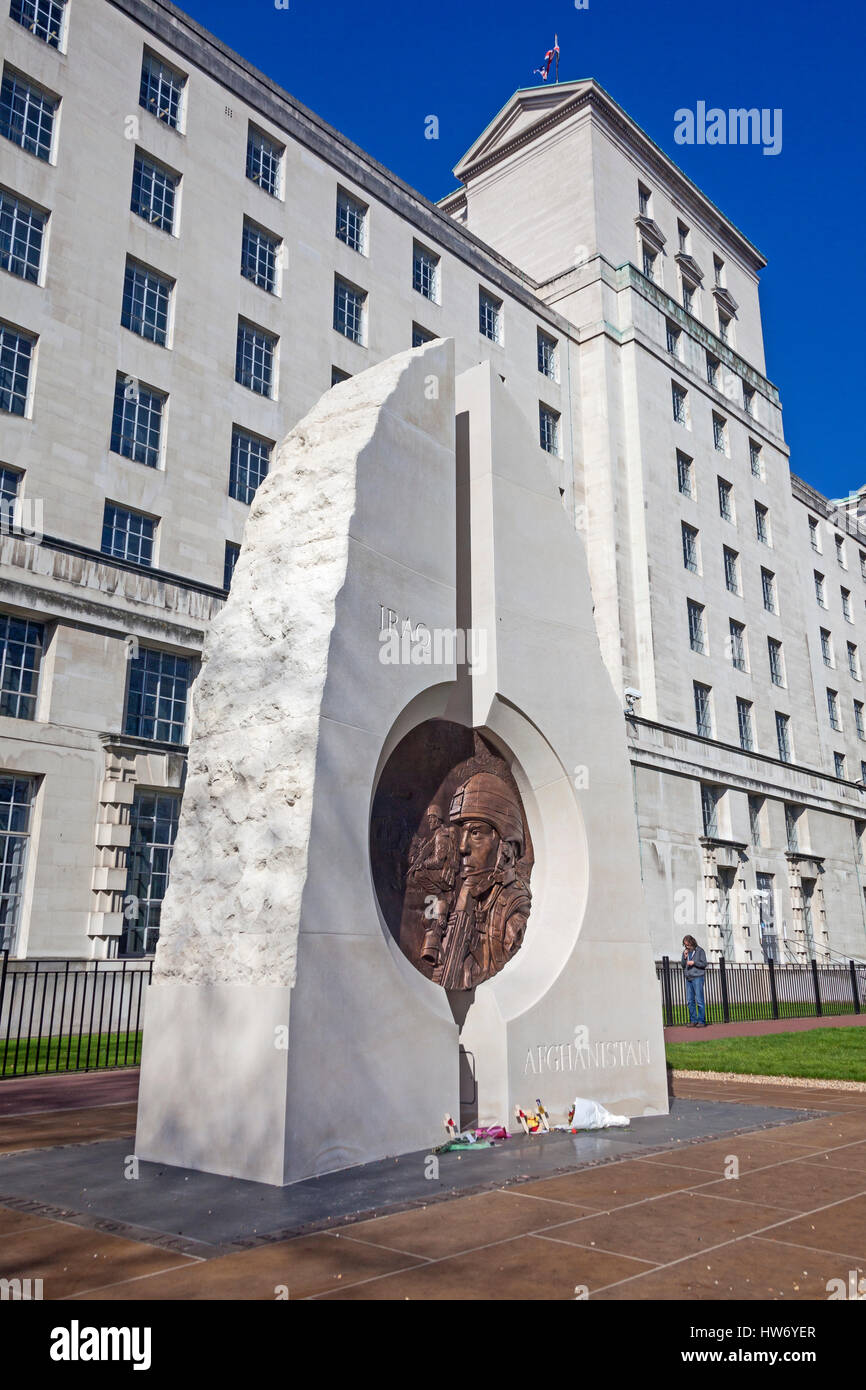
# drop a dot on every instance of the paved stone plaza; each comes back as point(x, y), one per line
point(640, 1214)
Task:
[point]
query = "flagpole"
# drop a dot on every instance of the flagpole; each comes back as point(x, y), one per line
point(556, 51)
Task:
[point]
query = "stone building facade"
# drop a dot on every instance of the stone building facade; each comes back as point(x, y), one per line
point(189, 258)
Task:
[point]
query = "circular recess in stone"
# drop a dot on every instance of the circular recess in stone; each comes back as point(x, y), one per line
point(451, 854)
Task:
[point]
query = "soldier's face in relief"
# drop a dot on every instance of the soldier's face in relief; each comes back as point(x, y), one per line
point(478, 843)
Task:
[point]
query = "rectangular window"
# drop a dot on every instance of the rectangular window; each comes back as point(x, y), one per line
point(858, 719)
point(685, 478)
point(548, 356)
point(767, 906)
point(156, 700)
point(762, 523)
point(846, 604)
point(16, 804)
point(724, 327)
point(425, 272)
point(853, 661)
point(16, 357)
point(688, 296)
point(679, 400)
point(833, 710)
point(690, 547)
point(351, 221)
point(255, 359)
point(744, 723)
point(264, 162)
point(777, 668)
point(127, 535)
point(768, 590)
point(839, 764)
point(259, 256)
point(161, 90)
point(709, 810)
point(643, 200)
point(703, 711)
point(840, 552)
point(755, 460)
point(153, 820)
point(44, 18)
point(718, 271)
point(720, 434)
point(136, 427)
point(748, 399)
point(21, 643)
point(862, 565)
point(9, 484)
point(349, 310)
point(726, 499)
point(22, 232)
point(250, 460)
point(420, 335)
point(712, 369)
point(756, 806)
point(738, 644)
point(813, 535)
point(231, 559)
point(154, 190)
point(649, 259)
point(683, 237)
point(674, 337)
point(819, 589)
point(146, 302)
point(826, 647)
point(732, 570)
point(792, 827)
point(548, 428)
point(490, 316)
point(697, 640)
point(783, 736)
point(27, 115)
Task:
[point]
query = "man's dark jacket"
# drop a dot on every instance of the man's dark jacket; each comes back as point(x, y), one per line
point(696, 968)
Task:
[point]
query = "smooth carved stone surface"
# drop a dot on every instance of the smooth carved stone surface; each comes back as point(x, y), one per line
point(231, 914)
point(451, 854)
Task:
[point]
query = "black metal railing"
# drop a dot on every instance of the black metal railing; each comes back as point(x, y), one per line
point(61, 1016)
point(735, 992)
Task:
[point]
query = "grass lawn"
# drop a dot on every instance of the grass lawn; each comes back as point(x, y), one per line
point(87, 1053)
point(837, 1053)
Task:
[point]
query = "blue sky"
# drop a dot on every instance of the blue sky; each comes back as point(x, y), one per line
point(376, 70)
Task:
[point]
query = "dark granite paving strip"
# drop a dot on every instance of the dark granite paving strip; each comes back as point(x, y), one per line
point(88, 1184)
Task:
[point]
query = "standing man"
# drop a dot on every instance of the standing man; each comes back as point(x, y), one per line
point(695, 967)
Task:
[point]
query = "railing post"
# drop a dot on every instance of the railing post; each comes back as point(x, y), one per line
point(774, 998)
point(723, 981)
point(819, 1013)
point(666, 992)
point(5, 967)
point(855, 992)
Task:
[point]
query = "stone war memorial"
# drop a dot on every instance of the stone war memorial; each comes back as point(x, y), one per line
point(406, 881)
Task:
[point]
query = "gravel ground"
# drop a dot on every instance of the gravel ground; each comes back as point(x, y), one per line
point(820, 1083)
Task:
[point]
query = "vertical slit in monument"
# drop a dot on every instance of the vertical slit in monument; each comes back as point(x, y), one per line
point(461, 1000)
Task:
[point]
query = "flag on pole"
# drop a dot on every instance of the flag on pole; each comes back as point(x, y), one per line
point(549, 57)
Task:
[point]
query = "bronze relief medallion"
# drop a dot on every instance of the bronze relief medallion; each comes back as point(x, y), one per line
point(451, 855)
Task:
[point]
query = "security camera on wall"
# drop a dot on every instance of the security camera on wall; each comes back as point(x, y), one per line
point(631, 698)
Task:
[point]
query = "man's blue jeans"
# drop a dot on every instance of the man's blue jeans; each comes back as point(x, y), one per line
point(695, 999)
